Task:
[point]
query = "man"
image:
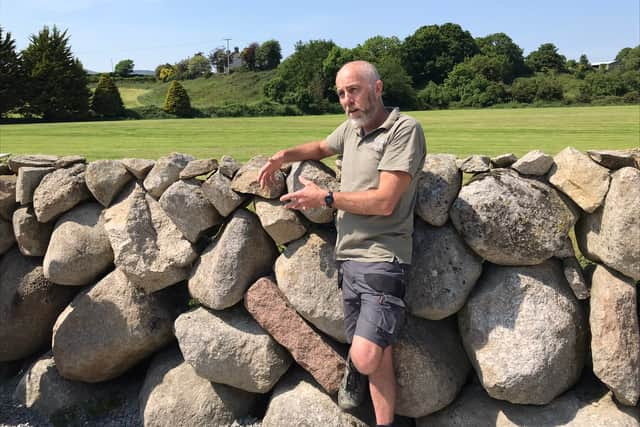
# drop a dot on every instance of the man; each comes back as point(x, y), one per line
point(383, 152)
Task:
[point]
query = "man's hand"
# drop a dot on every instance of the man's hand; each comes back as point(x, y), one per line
point(265, 176)
point(309, 197)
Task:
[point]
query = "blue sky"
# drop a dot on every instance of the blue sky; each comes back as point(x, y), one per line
point(152, 32)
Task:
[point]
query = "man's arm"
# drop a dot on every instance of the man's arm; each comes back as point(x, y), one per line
point(316, 150)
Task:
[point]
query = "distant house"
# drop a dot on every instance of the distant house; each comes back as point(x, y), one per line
point(604, 65)
point(235, 61)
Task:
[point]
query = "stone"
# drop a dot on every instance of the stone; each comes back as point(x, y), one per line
point(28, 180)
point(217, 189)
point(60, 191)
point(566, 251)
point(431, 366)
point(185, 203)
point(174, 395)
point(323, 177)
point(5, 169)
point(580, 178)
point(298, 401)
point(246, 180)
point(438, 187)
point(611, 234)
point(109, 328)
point(575, 278)
point(105, 179)
point(307, 275)
point(229, 347)
point(67, 161)
point(475, 164)
point(612, 159)
point(138, 167)
point(33, 160)
point(525, 333)
point(147, 245)
point(7, 196)
point(198, 167)
point(165, 172)
point(7, 237)
point(504, 160)
point(534, 163)
point(283, 225)
point(443, 273)
point(29, 305)
point(615, 335)
point(79, 250)
point(229, 166)
point(587, 405)
point(243, 253)
point(32, 236)
point(511, 220)
point(265, 302)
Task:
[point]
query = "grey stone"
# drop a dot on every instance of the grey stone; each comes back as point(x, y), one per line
point(307, 275)
point(146, 244)
point(282, 224)
point(575, 278)
point(7, 196)
point(567, 250)
point(229, 347)
point(60, 191)
point(109, 328)
point(28, 180)
point(580, 178)
point(229, 166)
point(138, 167)
point(612, 233)
point(525, 333)
point(511, 220)
point(534, 163)
point(32, 236)
point(217, 189)
point(243, 253)
point(34, 160)
point(5, 169)
point(246, 180)
point(444, 271)
point(79, 250)
point(66, 161)
point(431, 366)
point(165, 172)
point(189, 210)
point(29, 305)
point(323, 177)
point(105, 179)
point(612, 159)
point(504, 160)
point(438, 187)
point(7, 237)
point(174, 395)
point(615, 335)
point(198, 167)
point(475, 164)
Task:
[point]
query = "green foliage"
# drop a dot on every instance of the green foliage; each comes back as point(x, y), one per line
point(471, 88)
point(397, 89)
point(379, 48)
point(546, 58)
point(248, 55)
point(524, 89)
point(218, 59)
point(434, 96)
point(432, 52)
point(124, 68)
point(177, 101)
point(549, 89)
point(106, 100)
point(198, 66)
point(11, 76)
point(629, 58)
point(500, 45)
point(56, 82)
point(268, 55)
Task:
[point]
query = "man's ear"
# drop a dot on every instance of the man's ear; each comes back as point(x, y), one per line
point(379, 87)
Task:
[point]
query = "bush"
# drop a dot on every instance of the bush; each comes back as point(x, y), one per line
point(524, 90)
point(434, 96)
point(549, 89)
point(632, 97)
point(177, 101)
point(106, 100)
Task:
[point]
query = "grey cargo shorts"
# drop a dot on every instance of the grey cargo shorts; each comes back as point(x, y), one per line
point(373, 295)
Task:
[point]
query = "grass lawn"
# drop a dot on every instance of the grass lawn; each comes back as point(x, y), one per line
point(460, 132)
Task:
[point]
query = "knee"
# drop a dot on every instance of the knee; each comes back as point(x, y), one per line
point(366, 358)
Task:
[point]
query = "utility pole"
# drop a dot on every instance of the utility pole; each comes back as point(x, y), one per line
point(228, 55)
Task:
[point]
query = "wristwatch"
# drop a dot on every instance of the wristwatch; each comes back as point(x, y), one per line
point(328, 199)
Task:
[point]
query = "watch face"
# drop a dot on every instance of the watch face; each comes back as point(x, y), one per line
point(328, 199)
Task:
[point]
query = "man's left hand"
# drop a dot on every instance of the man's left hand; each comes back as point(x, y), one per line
point(309, 197)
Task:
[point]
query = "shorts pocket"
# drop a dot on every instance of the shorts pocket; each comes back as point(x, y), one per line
point(390, 283)
point(386, 312)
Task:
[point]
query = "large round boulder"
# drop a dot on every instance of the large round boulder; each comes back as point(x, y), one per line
point(323, 177)
point(438, 187)
point(60, 191)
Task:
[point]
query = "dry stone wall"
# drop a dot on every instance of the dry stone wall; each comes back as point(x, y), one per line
point(187, 270)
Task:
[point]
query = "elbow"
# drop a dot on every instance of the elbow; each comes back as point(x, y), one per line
point(387, 209)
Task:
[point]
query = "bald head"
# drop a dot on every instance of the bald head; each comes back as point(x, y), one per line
point(364, 70)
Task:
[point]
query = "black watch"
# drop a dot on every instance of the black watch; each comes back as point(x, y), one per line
point(328, 199)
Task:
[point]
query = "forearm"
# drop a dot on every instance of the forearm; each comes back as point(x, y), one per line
point(369, 202)
point(316, 150)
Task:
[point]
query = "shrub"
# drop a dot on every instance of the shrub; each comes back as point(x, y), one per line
point(434, 96)
point(106, 100)
point(632, 97)
point(549, 89)
point(177, 101)
point(524, 90)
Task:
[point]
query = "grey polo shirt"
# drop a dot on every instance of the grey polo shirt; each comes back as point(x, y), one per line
point(397, 145)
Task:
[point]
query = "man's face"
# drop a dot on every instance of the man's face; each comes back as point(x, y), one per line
point(357, 96)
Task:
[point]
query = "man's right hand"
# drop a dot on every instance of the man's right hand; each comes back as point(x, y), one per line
point(265, 176)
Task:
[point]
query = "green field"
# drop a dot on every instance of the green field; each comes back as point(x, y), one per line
point(460, 132)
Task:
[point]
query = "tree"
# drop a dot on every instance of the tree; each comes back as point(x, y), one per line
point(629, 58)
point(268, 55)
point(11, 77)
point(198, 66)
point(397, 88)
point(378, 48)
point(500, 45)
point(218, 59)
point(181, 69)
point(248, 55)
point(177, 101)
point(432, 52)
point(546, 58)
point(106, 100)
point(124, 68)
point(56, 81)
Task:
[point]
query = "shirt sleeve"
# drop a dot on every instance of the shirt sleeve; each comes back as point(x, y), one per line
point(335, 140)
point(405, 150)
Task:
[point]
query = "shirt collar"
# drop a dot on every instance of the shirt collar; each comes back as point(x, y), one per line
point(394, 115)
